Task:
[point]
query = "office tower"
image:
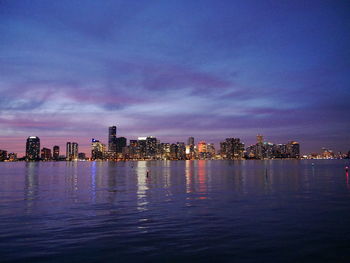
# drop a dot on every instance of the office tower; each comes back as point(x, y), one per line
point(3, 155)
point(97, 150)
point(232, 148)
point(134, 149)
point(151, 147)
point(173, 151)
point(181, 151)
point(112, 139)
point(120, 144)
point(33, 148)
point(293, 149)
point(210, 150)
point(142, 146)
point(202, 147)
point(46, 154)
point(56, 153)
point(190, 141)
point(259, 147)
point(71, 151)
point(259, 138)
point(164, 150)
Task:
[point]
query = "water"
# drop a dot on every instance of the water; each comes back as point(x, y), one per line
point(185, 211)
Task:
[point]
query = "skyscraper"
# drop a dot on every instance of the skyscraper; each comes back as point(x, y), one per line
point(112, 139)
point(120, 144)
point(71, 151)
point(190, 141)
point(33, 148)
point(97, 150)
point(56, 152)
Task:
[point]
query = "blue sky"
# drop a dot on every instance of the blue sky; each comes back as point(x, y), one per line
point(173, 69)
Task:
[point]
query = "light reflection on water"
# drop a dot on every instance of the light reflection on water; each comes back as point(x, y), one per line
point(184, 210)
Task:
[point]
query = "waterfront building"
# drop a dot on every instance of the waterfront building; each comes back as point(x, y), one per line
point(120, 144)
point(181, 151)
point(231, 149)
point(134, 149)
point(82, 156)
point(142, 146)
point(3, 155)
point(97, 150)
point(71, 151)
point(112, 139)
point(46, 154)
point(151, 147)
point(56, 153)
point(12, 157)
point(293, 149)
point(33, 148)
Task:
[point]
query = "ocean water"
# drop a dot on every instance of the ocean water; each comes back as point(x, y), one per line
point(183, 211)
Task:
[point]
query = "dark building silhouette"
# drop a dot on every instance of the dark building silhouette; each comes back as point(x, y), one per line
point(3, 155)
point(120, 143)
point(46, 154)
point(56, 153)
point(112, 139)
point(33, 148)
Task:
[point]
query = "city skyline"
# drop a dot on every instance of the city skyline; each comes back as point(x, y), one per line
point(173, 70)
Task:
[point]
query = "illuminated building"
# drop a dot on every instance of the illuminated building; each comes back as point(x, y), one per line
point(165, 150)
point(202, 150)
point(81, 156)
point(97, 150)
point(112, 139)
point(181, 151)
point(134, 149)
point(33, 148)
point(210, 150)
point(56, 153)
point(190, 141)
point(71, 151)
point(12, 157)
point(142, 146)
point(46, 154)
point(151, 147)
point(173, 151)
point(293, 149)
point(232, 148)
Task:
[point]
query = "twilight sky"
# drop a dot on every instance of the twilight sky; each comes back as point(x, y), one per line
point(173, 69)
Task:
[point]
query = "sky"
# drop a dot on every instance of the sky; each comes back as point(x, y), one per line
point(174, 69)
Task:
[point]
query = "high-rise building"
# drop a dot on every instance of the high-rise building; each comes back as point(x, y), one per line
point(134, 149)
point(112, 139)
point(293, 149)
point(33, 148)
point(142, 146)
point(46, 154)
point(97, 150)
point(259, 138)
point(56, 153)
point(190, 141)
point(181, 151)
point(120, 144)
point(232, 148)
point(151, 147)
point(71, 151)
